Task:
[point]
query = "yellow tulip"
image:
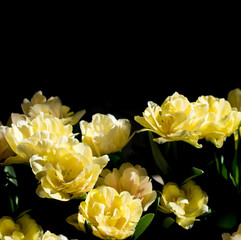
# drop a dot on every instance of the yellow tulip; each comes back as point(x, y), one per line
point(110, 214)
point(8, 228)
point(5, 150)
point(66, 173)
point(51, 236)
point(175, 120)
point(187, 202)
point(178, 119)
point(105, 134)
point(52, 106)
point(220, 119)
point(37, 136)
point(130, 178)
point(235, 235)
point(24, 228)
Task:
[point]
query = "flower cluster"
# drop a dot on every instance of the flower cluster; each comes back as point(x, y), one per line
point(177, 119)
point(116, 197)
point(67, 168)
point(25, 228)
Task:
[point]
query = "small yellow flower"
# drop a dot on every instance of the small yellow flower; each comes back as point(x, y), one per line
point(220, 119)
point(5, 150)
point(51, 236)
point(175, 120)
point(8, 228)
point(66, 173)
point(52, 106)
point(105, 134)
point(235, 235)
point(187, 202)
point(110, 214)
point(132, 179)
point(25, 228)
point(37, 136)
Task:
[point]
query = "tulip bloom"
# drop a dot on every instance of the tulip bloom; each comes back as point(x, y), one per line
point(175, 120)
point(179, 120)
point(5, 150)
point(64, 173)
point(235, 235)
point(187, 202)
point(25, 228)
point(110, 214)
point(130, 178)
point(51, 236)
point(105, 134)
point(38, 136)
point(220, 119)
point(52, 106)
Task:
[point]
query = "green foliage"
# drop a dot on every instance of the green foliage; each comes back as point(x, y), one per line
point(230, 168)
point(143, 224)
point(157, 156)
point(196, 172)
point(168, 221)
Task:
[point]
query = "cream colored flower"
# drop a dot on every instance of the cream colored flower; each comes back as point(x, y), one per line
point(110, 214)
point(220, 120)
point(187, 202)
point(51, 236)
point(25, 228)
point(37, 136)
point(52, 106)
point(5, 150)
point(105, 134)
point(175, 120)
point(132, 179)
point(65, 173)
point(235, 235)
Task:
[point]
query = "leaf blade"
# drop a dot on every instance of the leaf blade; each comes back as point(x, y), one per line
point(143, 224)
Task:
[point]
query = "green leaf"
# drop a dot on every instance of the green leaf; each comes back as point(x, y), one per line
point(224, 172)
point(23, 213)
point(217, 163)
point(221, 168)
point(157, 155)
point(156, 203)
point(236, 164)
point(13, 203)
point(143, 224)
point(168, 221)
point(114, 158)
point(88, 226)
point(196, 172)
point(11, 176)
